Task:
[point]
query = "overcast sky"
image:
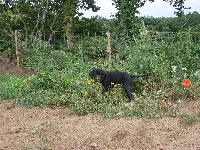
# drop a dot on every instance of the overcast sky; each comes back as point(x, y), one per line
point(158, 8)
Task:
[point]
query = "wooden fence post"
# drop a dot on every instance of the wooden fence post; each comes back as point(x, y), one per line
point(16, 50)
point(108, 47)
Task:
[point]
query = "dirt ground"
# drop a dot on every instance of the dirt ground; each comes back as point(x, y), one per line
point(59, 129)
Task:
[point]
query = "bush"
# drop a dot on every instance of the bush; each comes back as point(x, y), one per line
point(12, 87)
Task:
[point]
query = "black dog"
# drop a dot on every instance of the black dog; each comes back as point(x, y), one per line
point(108, 77)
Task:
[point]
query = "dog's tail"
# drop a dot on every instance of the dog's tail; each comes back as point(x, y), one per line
point(137, 76)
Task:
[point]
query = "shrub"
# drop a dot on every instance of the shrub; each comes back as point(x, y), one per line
point(12, 88)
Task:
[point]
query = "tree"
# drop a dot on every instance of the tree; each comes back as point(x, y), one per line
point(41, 19)
point(89, 27)
point(127, 19)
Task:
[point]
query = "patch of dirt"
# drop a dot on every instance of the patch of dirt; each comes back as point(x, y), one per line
point(9, 68)
point(58, 129)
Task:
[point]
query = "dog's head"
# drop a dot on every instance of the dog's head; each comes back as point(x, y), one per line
point(97, 74)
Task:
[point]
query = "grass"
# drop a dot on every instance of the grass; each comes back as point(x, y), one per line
point(3, 80)
point(189, 119)
point(62, 79)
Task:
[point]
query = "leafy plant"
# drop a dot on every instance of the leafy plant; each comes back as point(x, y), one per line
point(13, 87)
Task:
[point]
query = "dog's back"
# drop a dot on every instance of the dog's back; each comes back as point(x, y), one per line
point(119, 77)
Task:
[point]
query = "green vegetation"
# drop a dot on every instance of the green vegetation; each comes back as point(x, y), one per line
point(61, 78)
point(190, 119)
point(61, 49)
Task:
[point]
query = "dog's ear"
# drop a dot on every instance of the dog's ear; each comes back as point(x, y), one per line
point(91, 74)
point(104, 74)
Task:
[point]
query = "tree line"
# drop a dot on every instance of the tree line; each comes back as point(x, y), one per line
point(46, 20)
point(174, 24)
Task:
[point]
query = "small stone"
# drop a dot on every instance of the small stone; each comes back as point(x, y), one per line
point(14, 130)
point(93, 145)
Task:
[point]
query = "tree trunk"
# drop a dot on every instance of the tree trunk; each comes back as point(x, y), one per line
point(68, 35)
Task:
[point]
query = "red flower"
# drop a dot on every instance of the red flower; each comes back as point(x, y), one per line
point(186, 83)
point(164, 103)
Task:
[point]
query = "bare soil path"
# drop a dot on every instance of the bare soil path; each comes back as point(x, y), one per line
point(59, 129)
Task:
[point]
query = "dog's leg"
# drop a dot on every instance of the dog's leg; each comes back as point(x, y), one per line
point(127, 89)
point(106, 87)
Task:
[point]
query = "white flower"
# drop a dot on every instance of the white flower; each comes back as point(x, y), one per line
point(174, 68)
point(197, 73)
point(184, 68)
point(159, 91)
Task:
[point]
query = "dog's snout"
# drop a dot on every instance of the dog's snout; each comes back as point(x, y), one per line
point(98, 78)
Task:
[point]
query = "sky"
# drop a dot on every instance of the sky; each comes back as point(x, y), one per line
point(158, 8)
